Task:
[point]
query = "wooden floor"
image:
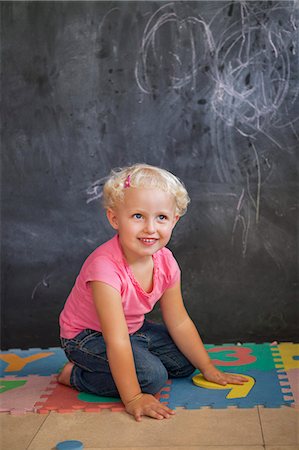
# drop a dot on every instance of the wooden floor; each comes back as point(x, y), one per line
point(205, 429)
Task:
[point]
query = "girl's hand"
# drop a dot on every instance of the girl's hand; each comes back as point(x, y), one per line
point(148, 405)
point(216, 376)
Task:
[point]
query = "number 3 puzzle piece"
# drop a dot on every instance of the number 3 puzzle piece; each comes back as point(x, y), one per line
point(236, 390)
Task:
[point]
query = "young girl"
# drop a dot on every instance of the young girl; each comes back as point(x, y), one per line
point(113, 351)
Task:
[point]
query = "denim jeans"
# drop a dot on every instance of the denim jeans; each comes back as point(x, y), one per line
point(156, 359)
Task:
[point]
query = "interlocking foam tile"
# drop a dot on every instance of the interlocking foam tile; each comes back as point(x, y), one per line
point(30, 384)
point(64, 399)
point(19, 396)
point(266, 392)
point(238, 358)
point(263, 362)
point(293, 377)
point(35, 361)
point(290, 355)
point(286, 355)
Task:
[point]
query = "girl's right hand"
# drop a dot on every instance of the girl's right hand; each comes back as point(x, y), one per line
point(148, 405)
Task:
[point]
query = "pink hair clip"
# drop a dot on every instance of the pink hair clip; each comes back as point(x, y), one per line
point(127, 182)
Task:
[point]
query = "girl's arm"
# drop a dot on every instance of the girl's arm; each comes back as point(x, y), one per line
point(186, 337)
point(120, 356)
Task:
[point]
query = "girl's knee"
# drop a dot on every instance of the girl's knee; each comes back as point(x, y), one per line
point(187, 371)
point(182, 372)
point(154, 379)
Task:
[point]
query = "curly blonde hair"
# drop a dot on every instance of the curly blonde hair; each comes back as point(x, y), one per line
point(144, 176)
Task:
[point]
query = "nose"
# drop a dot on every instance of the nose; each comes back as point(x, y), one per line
point(150, 227)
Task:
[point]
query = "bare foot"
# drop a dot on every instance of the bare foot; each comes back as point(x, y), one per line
point(65, 375)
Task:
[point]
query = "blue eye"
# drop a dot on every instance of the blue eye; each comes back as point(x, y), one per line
point(162, 217)
point(137, 216)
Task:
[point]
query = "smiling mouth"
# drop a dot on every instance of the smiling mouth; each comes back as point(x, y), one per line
point(148, 241)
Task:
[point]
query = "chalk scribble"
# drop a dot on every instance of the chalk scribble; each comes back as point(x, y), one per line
point(248, 67)
point(95, 190)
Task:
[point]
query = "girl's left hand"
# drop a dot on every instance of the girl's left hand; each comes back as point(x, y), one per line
point(211, 373)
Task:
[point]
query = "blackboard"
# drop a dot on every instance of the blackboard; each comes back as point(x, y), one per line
point(206, 89)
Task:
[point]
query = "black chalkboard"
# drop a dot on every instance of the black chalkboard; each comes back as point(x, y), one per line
point(206, 89)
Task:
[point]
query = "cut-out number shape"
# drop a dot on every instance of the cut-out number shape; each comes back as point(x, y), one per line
point(236, 390)
point(242, 356)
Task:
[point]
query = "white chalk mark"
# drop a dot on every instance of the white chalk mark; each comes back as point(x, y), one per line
point(240, 200)
point(265, 68)
point(294, 131)
point(249, 191)
point(150, 55)
point(245, 234)
point(95, 191)
point(105, 17)
point(268, 247)
point(272, 45)
point(251, 80)
point(193, 59)
point(259, 178)
point(252, 93)
point(44, 282)
point(245, 223)
point(176, 57)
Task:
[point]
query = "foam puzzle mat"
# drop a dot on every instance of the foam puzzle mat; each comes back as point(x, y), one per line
point(28, 381)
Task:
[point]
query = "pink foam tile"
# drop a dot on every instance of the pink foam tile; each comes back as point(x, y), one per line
point(64, 399)
point(293, 375)
point(22, 399)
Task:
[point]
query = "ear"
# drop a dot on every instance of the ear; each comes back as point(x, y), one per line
point(112, 217)
point(175, 220)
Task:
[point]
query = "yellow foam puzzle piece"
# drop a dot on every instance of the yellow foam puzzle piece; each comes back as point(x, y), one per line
point(290, 355)
point(236, 390)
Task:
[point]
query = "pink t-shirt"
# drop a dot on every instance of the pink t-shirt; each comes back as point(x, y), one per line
point(107, 264)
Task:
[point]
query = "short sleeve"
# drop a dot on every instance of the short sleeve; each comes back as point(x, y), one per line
point(103, 269)
point(169, 268)
point(175, 275)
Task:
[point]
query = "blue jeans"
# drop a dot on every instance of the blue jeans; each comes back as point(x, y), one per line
point(156, 359)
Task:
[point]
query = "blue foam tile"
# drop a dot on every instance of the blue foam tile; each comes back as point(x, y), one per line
point(183, 393)
point(49, 362)
point(266, 392)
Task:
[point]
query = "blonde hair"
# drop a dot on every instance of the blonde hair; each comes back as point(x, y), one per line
point(144, 176)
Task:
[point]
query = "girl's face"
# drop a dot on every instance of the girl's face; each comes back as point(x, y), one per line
point(144, 221)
